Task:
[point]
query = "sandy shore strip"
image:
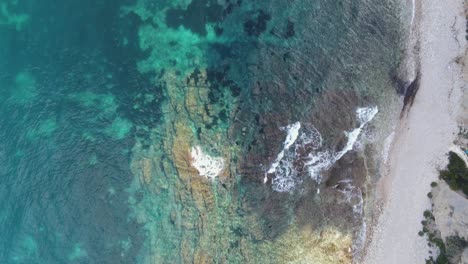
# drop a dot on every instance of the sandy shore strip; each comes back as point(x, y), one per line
point(423, 137)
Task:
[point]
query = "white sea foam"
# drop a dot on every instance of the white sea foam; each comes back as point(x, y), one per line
point(293, 133)
point(298, 136)
point(291, 137)
point(286, 177)
point(317, 162)
point(323, 160)
point(206, 165)
point(352, 138)
point(310, 136)
point(364, 116)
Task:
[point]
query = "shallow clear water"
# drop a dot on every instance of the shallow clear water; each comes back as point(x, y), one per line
point(104, 103)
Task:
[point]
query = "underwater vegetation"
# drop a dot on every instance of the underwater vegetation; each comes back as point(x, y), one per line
point(247, 162)
point(192, 131)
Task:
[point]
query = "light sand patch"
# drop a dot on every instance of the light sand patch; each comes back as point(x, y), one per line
point(422, 138)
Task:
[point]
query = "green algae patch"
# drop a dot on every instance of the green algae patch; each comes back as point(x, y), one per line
point(219, 84)
point(24, 90)
point(44, 129)
point(101, 106)
point(88, 136)
point(173, 48)
point(30, 245)
point(26, 250)
point(105, 103)
point(77, 253)
point(48, 127)
point(93, 160)
point(11, 18)
point(180, 201)
point(210, 217)
point(119, 128)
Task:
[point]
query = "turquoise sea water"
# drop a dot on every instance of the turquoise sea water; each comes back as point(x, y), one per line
point(102, 103)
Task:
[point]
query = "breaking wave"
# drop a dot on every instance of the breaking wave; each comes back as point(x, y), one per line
point(299, 139)
point(301, 147)
point(291, 137)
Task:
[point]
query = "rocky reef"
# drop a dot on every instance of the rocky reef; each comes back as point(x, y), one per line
point(265, 145)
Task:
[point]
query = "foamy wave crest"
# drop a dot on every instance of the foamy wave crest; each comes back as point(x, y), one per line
point(291, 137)
point(302, 146)
point(299, 139)
point(310, 137)
point(317, 162)
point(321, 161)
point(286, 176)
point(364, 116)
point(206, 165)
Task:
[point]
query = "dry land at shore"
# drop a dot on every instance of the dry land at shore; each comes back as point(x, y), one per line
point(423, 137)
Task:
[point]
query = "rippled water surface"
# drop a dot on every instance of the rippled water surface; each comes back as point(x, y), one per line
point(203, 131)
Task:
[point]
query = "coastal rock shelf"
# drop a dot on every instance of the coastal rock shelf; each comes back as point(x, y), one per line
point(248, 162)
